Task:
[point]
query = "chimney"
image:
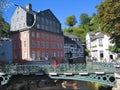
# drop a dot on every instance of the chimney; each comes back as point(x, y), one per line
point(29, 7)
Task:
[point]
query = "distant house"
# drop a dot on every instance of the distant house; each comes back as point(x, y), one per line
point(73, 48)
point(6, 50)
point(36, 36)
point(98, 45)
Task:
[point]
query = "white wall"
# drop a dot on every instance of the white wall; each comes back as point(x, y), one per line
point(96, 48)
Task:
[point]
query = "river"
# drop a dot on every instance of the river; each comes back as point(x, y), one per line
point(32, 82)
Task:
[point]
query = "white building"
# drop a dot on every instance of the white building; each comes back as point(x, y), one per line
point(98, 45)
point(73, 48)
point(6, 50)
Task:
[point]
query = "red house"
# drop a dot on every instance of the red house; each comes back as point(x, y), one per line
point(36, 36)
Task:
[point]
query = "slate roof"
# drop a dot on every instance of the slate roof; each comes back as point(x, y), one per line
point(70, 35)
point(91, 33)
point(95, 35)
point(68, 40)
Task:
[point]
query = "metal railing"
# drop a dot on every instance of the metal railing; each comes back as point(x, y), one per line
point(90, 67)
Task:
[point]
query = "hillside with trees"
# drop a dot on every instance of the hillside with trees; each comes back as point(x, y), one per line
point(107, 19)
point(87, 24)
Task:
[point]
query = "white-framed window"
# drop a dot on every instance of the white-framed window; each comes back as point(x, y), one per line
point(19, 25)
point(43, 54)
point(38, 26)
point(43, 19)
point(33, 55)
point(54, 54)
point(38, 35)
point(33, 34)
point(25, 54)
point(38, 18)
point(42, 26)
point(47, 28)
point(57, 24)
point(47, 54)
point(43, 35)
point(47, 45)
point(47, 21)
point(17, 19)
point(43, 44)
point(33, 44)
point(38, 54)
point(47, 37)
point(58, 46)
point(50, 22)
point(38, 44)
point(24, 43)
point(58, 54)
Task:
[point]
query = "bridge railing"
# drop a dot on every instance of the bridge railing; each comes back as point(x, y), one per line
point(61, 68)
point(89, 67)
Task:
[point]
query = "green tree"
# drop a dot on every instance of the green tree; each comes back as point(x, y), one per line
point(71, 21)
point(109, 18)
point(4, 27)
point(82, 29)
point(84, 18)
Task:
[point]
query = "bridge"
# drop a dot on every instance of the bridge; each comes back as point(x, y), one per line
point(98, 72)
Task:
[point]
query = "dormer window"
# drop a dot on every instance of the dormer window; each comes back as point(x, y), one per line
point(33, 34)
point(42, 19)
point(38, 26)
point(17, 12)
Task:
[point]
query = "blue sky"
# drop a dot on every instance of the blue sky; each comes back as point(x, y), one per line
point(60, 8)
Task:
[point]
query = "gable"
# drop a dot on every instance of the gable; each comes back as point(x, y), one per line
point(18, 11)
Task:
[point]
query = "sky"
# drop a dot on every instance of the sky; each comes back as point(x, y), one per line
point(60, 8)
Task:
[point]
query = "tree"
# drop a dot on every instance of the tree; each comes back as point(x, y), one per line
point(84, 18)
point(82, 29)
point(4, 27)
point(71, 21)
point(109, 18)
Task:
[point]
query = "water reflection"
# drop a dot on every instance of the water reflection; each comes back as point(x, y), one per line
point(45, 83)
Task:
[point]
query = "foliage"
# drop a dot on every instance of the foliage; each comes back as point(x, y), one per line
point(107, 20)
point(82, 29)
point(68, 30)
point(4, 28)
point(109, 17)
point(84, 18)
point(114, 49)
point(71, 21)
point(87, 52)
